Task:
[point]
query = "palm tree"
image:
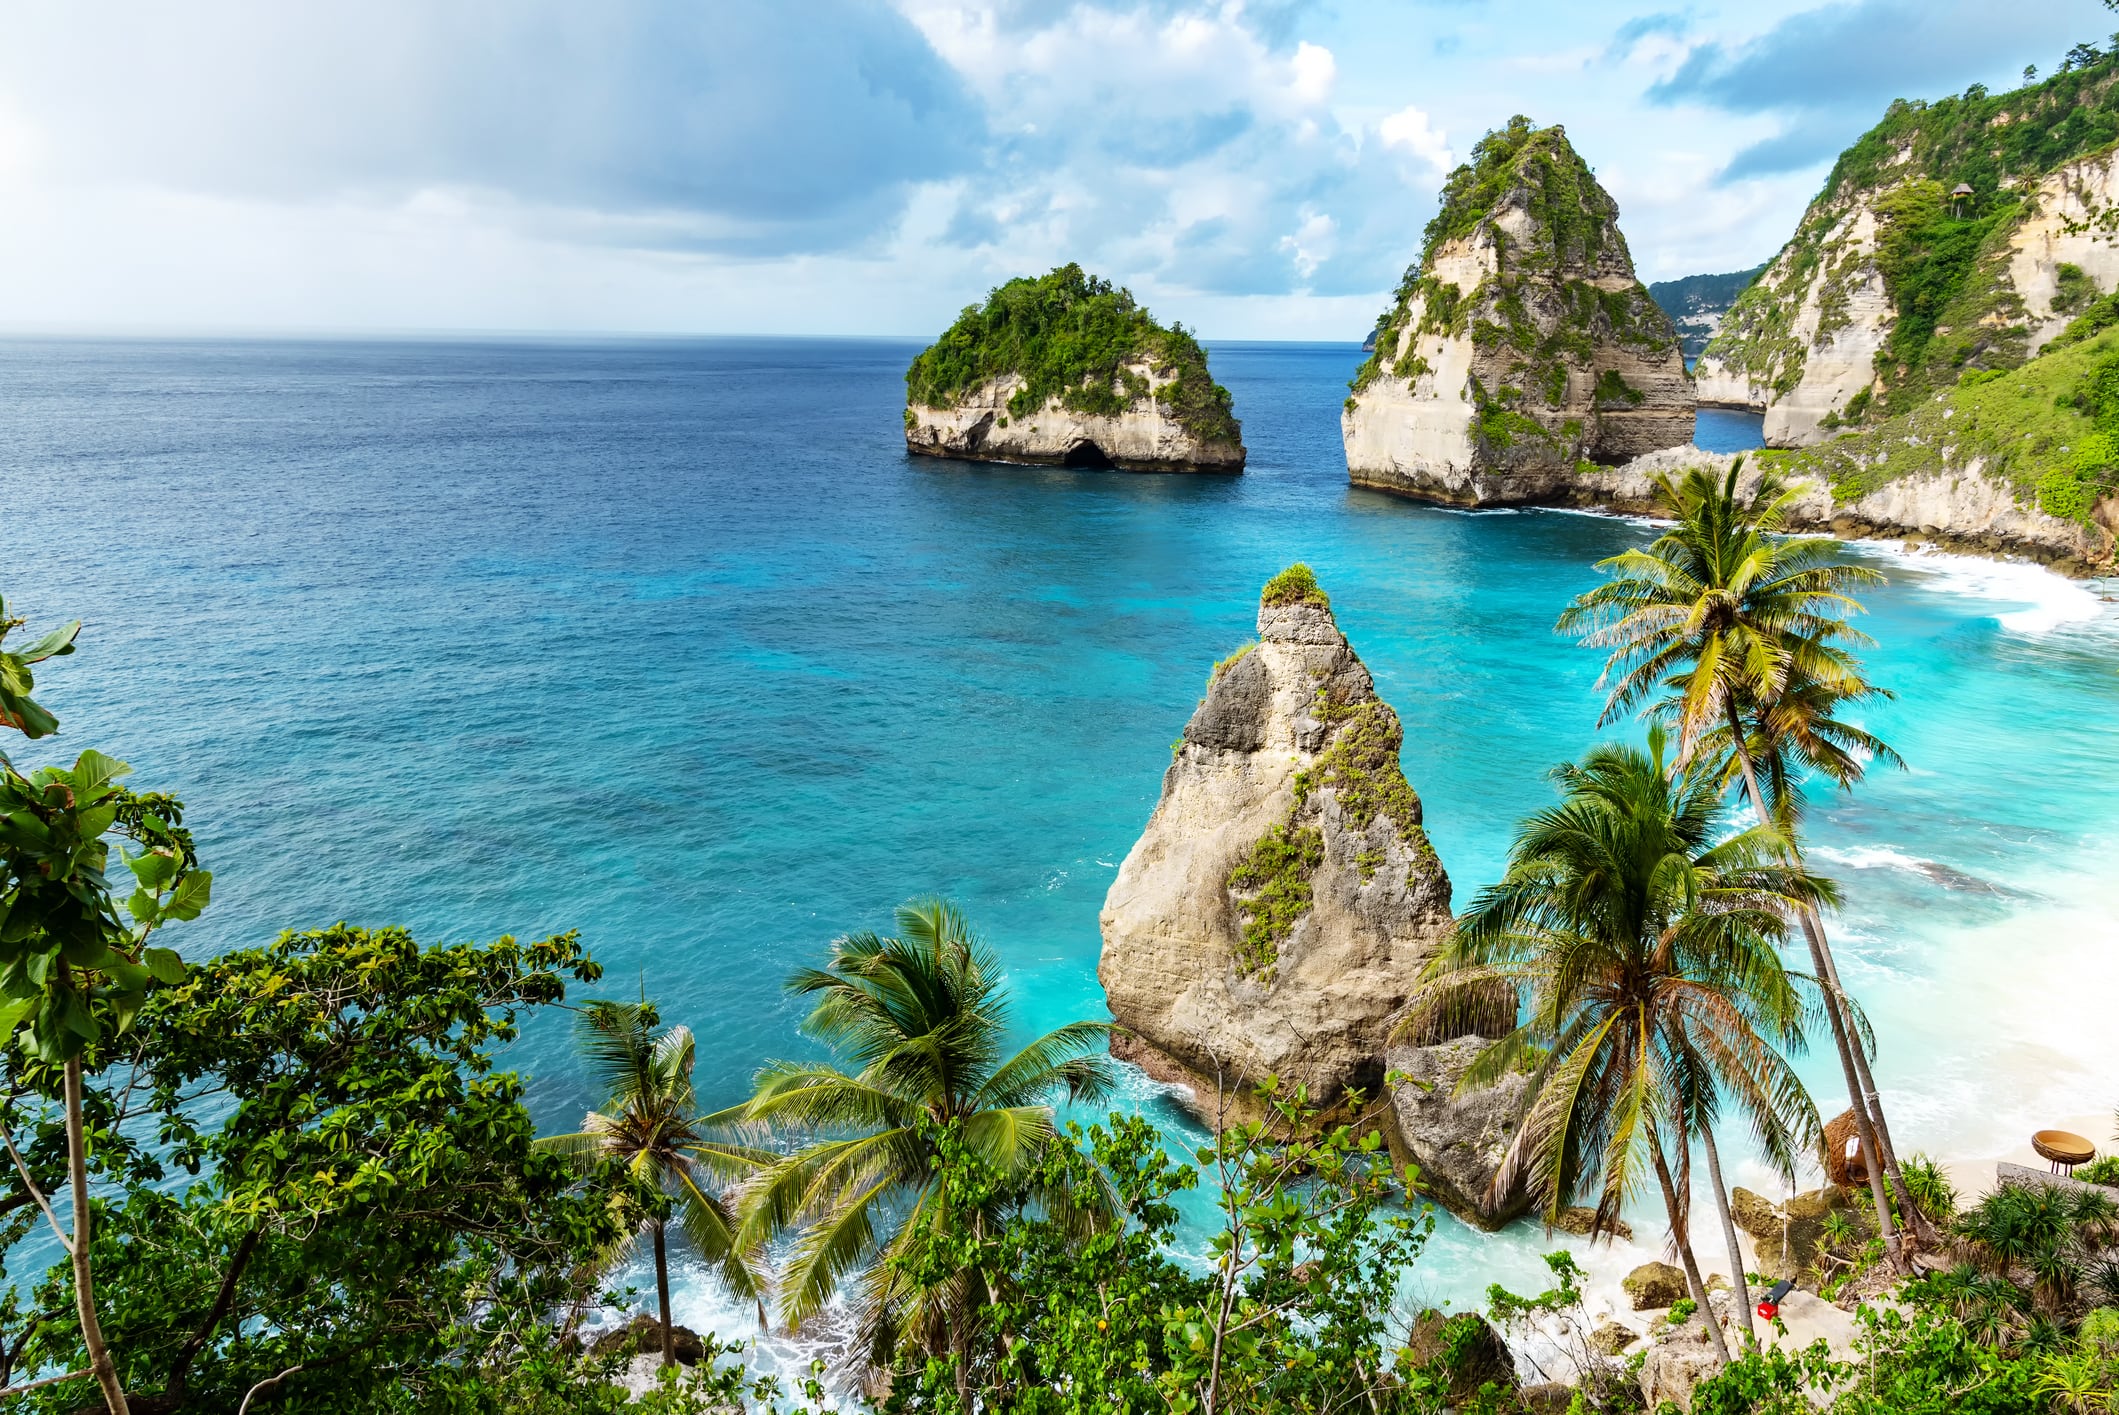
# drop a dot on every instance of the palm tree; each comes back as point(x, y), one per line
point(918, 1021)
point(649, 1122)
point(1646, 945)
point(1726, 614)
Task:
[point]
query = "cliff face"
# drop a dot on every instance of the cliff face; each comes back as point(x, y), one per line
point(1955, 236)
point(1068, 370)
point(1274, 916)
point(1521, 347)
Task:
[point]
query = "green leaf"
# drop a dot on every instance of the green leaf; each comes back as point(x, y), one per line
point(93, 772)
point(164, 963)
point(56, 644)
point(154, 869)
point(11, 1015)
point(192, 895)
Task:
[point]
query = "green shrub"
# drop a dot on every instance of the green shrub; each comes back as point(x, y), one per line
point(1295, 585)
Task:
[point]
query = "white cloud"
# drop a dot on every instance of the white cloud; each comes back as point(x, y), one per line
point(1410, 130)
point(1315, 71)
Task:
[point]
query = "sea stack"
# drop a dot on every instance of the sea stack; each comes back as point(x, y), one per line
point(1521, 346)
point(1274, 917)
point(1069, 370)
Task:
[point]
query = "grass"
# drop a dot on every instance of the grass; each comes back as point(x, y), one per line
point(2049, 430)
point(1074, 337)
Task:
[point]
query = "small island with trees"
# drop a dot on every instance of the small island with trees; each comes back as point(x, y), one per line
point(1069, 370)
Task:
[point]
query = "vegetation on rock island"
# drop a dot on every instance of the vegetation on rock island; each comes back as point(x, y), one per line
point(1075, 337)
point(291, 1178)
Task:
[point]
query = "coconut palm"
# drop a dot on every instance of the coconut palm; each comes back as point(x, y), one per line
point(1725, 614)
point(917, 1021)
point(649, 1122)
point(1645, 943)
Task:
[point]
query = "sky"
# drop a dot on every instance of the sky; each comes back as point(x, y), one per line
point(1259, 169)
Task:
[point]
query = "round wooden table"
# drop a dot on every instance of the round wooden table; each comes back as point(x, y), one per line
point(2064, 1148)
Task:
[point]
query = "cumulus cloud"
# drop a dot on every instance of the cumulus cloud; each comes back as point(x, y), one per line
point(742, 125)
point(1186, 146)
point(1827, 73)
point(1410, 130)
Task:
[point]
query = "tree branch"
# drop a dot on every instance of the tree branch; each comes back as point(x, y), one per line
point(34, 1192)
point(180, 1369)
point(47, 1381)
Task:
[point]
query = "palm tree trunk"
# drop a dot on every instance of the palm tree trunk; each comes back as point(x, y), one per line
point(1736, 1253)
point(662, 1295)
point(1821, 962)
point(1923, 1231)
point(1683, 1240)
point(99, 1358)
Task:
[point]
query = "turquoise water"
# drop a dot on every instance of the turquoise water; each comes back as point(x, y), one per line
point(669, 642)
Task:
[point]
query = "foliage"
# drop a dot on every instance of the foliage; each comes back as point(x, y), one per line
point(1295, 585)
point(1918, 1361)
point(17, 709)
point(368, 1211)
point(1292, 1312)
point(1540, 165)
point(1223, 665)
point(920, 1017)
point(1719, 609)
point(1643, 932)
point(1558, 1319)
point(1071, 336)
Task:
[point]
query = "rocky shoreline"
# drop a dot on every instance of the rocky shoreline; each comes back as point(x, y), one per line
point(1963, 512)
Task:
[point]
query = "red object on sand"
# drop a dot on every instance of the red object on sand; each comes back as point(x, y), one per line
point(1769, 1310)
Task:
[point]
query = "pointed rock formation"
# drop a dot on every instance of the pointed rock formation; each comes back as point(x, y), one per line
point(1521, 346)
point(1067, 370)
point(1274, 917)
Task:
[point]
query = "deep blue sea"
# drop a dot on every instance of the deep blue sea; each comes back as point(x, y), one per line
point(671, 643)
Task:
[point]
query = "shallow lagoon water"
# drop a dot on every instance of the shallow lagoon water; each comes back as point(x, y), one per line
point(671, 643)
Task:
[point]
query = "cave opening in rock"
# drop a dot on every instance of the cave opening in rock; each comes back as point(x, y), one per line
point(1086, 454)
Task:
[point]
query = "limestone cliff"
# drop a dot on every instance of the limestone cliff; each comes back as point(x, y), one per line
point(1068, 370)
point(1274, 916)
point(1520, 349)
point(1955, 236)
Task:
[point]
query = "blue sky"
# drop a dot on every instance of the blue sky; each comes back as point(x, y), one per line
point(1257, 168)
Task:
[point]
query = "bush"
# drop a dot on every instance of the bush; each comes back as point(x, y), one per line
point(1295, 585)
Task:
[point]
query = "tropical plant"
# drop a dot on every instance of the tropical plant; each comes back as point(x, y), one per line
point(918, 1021)
point(72, 972)
point(1296, 1310)
point(17, 709)
point(1747, 631)
point(1644, 937)
point(649, 1123)
point(366, 1224)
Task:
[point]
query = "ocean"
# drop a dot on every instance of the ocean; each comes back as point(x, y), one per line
point(671, 643)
